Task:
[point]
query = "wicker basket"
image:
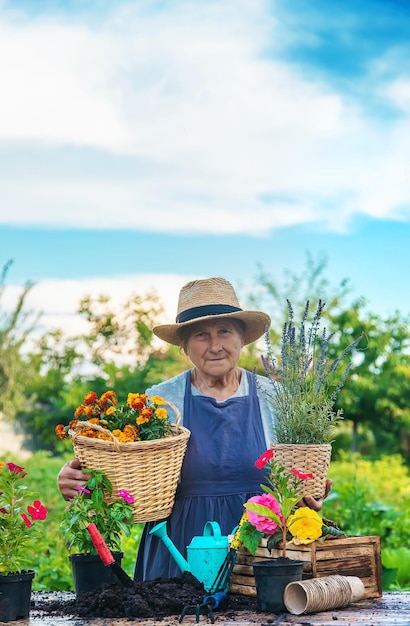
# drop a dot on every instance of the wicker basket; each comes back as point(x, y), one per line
point(314, 458)
point(148, 470)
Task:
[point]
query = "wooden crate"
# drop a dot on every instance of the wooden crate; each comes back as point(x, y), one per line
point(346, 556)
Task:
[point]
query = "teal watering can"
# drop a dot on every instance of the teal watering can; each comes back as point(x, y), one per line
point(205, 554)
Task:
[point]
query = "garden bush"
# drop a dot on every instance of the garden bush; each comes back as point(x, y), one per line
point(373, 498)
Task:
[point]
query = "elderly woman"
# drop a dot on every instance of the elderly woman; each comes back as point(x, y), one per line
point(230, 421)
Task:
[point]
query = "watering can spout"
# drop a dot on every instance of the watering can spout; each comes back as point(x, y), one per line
point(160, 530)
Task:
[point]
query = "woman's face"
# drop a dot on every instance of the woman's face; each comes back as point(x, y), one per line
point(214, 346)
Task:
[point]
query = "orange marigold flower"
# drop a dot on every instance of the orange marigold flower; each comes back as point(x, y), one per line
point(60, 432)
point(90, 397)
point(136, 400)
point(144, 416)
point(108, 399)
point(89, 432)
point(80, 410)
point(131, 431)
point(91, 411)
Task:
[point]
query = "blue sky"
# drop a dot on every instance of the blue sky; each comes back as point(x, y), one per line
point(145, 143)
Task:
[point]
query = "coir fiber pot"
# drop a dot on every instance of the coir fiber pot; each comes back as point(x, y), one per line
point(15, 596)
point(89, 572)
point(271, 578)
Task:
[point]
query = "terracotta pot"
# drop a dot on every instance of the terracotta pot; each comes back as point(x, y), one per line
point(15, 596)
point(89, 572)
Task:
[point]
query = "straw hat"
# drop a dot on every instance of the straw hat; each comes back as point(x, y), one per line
point(206, 299)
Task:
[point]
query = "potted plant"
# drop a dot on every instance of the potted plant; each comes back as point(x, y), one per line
point(303, 391)
point(136, 444)
point(275, 517)
point(113, 520)
point(19, 513)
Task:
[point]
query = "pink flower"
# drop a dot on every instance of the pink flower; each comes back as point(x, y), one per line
point(302, 475)
point(37, 511)
point(261, 523)
point(15, 469)
point(123, 493)
point(26, 520)
point(83, 489)
point(264, 458)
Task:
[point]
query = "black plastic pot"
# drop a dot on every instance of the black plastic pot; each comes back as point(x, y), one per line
point(89, 572)
point(15, 596)
point(271, 578)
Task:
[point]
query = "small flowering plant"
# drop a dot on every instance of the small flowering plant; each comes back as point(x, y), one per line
point(141, 418)
point(19, 513)
point(275, 515)
point(112, 520)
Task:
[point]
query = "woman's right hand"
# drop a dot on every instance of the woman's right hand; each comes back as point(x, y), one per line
point(70, 477)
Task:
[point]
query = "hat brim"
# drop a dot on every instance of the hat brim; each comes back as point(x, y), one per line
point(255, 325)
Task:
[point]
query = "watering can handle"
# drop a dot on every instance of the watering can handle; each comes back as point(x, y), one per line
point(212, 528)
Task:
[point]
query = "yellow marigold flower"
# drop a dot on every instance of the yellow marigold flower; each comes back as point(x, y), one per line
point(1, 465)
point(305, 525)
point(157, 400)
point(161, 414)
point(110, 410)
point(117, 432)
point(103, 436)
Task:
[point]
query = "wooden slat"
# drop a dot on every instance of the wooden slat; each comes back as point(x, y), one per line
point(348, 556)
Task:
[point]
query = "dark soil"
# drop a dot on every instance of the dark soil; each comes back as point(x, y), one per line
point(152, 599)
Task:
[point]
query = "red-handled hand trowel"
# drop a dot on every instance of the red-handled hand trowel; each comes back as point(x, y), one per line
point(107, 557)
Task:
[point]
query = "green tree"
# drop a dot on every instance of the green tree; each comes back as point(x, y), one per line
point(117, 352)
point(16, 327)
point(375, 397)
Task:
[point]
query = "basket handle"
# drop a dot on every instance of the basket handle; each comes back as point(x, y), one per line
point(177, 411)
point(85, 424)
point(81, 424)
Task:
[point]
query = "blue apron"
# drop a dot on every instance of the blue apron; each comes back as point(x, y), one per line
point(218, 475)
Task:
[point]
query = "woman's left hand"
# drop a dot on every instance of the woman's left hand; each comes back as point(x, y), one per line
point(316, 503)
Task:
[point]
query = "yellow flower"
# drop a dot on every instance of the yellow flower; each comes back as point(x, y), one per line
point(305, 525)
point(110, 410)
point(1, 465)
point(157, 400)
point(161, 414)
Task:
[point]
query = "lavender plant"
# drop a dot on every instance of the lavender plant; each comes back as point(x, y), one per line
point(307, 382)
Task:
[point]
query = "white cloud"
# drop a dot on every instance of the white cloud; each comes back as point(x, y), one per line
point(212, 125)
point(57, 300)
